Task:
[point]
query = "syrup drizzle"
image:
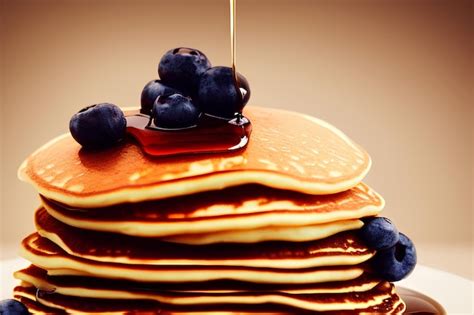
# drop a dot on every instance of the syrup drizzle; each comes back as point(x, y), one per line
point(240, 83)
point(211, 135)
point(233, 40)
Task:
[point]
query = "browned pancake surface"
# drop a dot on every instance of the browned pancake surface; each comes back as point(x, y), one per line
point(287, 150)
point(243, 208)
point(205, 286)
point(42, 247)
point(45, 254)
point(91, 305)
point(226, 203)
point(109, 246)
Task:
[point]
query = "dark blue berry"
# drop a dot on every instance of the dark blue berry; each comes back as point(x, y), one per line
point(174, 112)
point(12, 307)
point(150, 92)
point(98, 126)
point(379, 233)
point(181, 68)
point(397, 262)
point(218, 95)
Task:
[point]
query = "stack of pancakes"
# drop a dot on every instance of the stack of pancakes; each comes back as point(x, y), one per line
point(272, 229)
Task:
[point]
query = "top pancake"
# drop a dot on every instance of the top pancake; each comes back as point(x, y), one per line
point(287, 150)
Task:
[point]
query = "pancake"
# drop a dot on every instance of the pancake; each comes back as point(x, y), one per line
point(270, 233)
point(341, 249)
point(27, 296)
point(287, 150)
point(382, 298)
point(111, 289)
point(47, 255)
point(240, 208)
point(40, 278)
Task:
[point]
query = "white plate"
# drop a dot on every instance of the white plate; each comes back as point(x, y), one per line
point(454, 293)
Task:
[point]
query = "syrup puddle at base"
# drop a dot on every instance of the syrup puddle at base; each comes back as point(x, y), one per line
point(418, 303)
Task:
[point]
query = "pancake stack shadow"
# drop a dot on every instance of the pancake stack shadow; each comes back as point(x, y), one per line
point(256, 232)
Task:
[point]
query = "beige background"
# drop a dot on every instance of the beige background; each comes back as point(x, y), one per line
point(394, 75)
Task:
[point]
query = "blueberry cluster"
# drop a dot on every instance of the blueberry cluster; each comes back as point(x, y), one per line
point(189, 86)
point(396, 254)
point(13, 307)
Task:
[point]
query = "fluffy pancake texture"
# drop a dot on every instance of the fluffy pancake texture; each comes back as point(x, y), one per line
point(240, 208)
point(41, 279)
point(359, 295)
point(342, 249)
point(45, 254)
point(287, 151)
point(380, 299)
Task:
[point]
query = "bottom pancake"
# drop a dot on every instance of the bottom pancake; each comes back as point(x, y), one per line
point(38, 301)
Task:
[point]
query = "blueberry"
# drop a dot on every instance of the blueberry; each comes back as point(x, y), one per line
point(397, 262)
point(174, 112)
point(98, 125)
point(150, 92)
point(181, 68)
point(379, 233)
point(218, 95)
point(12, 307)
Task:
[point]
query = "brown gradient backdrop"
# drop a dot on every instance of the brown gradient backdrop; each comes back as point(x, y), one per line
point(394, 75)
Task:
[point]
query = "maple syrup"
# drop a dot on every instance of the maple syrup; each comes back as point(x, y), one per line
point(240, 83)
point(210, 135)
